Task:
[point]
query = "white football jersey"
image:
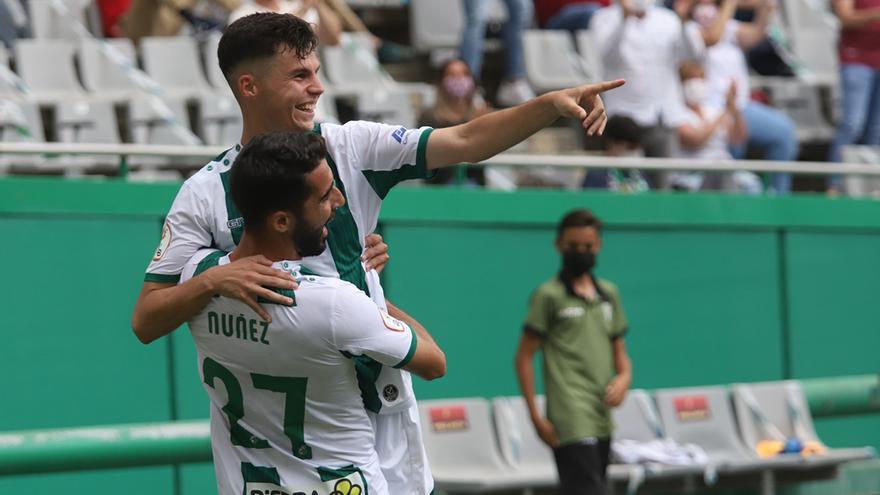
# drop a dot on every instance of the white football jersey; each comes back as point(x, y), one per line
point(286, 411)
point(367, 160)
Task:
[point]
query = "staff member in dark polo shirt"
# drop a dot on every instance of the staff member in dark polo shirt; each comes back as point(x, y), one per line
point(579, 323)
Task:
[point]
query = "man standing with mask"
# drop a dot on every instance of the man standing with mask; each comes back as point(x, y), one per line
point(579, 323)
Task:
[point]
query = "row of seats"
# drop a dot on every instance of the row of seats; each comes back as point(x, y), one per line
point(476, 447)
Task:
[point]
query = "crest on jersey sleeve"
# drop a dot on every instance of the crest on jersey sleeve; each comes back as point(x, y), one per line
point(164, 242)
point(392, 323)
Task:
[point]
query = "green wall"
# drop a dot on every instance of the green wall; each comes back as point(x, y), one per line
point(718, 289)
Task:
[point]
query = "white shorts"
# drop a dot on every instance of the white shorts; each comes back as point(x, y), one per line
point(399, 444)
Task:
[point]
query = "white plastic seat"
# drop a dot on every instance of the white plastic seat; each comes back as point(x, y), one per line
point(591, 60)
point(551, 60)
point(461, 447)
point(149, 126)
point(47, 67)
point(105, 74)
point(220, 120)
point(781, 408)
point(86, 122)
point(862, 186)
point(49, 23)
point(212, 63)
point(520, 444)
point(174, 63)
point(801, 102)
point(20, 123)
point(439, 25)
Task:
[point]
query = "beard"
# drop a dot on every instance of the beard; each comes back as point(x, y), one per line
point(308, 239)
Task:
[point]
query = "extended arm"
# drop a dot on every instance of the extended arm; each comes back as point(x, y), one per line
point(713, 32)
point(850, 18)
point(495, 132)
point(525, 373)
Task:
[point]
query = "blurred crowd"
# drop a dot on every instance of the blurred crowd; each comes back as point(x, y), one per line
point(687, 64)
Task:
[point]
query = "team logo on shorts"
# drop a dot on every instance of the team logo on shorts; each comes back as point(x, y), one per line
point(164, 242)
point(392, 323)
point(390, 393)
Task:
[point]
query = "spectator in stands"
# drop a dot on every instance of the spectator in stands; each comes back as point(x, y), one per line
point(571, 15)
point(514, 89)
point(707, 132)
point(13, 22)
point(578, 322)
point(165, 17)
point(769, 130)
point(457, 103)
point(316, 12)
point(623, 139)
point(859, 76)
point(645, 44)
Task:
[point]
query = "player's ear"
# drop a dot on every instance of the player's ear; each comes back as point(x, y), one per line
point(247, 85)
point(281, 222)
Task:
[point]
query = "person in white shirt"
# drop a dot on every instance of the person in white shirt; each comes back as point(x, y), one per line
point(645, 44)
point(769, 130)
point(327, 24)
point(707, 132)
point(286, 411)
point(271, 64)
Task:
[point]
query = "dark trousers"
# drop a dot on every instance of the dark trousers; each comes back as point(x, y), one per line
point(582, 467)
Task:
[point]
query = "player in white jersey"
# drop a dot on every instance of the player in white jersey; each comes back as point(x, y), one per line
point(271, 64)
point(286, 410)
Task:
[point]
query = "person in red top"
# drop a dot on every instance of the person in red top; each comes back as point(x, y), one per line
point(859, 76)
point(571, 15)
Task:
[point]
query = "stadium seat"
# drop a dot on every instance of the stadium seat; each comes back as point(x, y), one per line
point(801, 102)
point(462, 449)
point(589, 52)
point(20, 123)
point(86, 122)
point(148, 126)
point(519, 442)
point(220, 119)
point(439, 25)
point(101, 75)
point(769, 409)
point(862, 186)
point(47, 67)
point(551, 60)
point(212, 63)
point(704, 416)
point(175, 64)
point(47, 22)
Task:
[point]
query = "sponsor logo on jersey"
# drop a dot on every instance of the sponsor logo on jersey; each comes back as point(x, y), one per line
point(400, 135)
point(235, 223)
point(571, 312)
point(390, 393)
point(353, 484)
point(392, 323)
point(164, 242)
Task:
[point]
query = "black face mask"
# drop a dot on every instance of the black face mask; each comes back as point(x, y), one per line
point(577, 263)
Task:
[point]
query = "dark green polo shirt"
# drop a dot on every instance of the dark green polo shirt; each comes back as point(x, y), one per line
point(578, 350)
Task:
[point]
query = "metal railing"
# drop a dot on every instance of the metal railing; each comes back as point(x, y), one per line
point(126, 151)
point(107, 447)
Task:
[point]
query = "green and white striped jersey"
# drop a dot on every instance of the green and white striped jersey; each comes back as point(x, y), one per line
point(286, 410)
point(367, 160)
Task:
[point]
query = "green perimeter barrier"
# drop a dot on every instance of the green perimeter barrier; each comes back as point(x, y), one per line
point(108, 447)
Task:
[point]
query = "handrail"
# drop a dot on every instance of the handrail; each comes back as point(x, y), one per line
point(504, 159)
point(151, 444)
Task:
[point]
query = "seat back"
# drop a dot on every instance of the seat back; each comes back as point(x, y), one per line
point(781, 403)
point(352, 60)
point(101, 71)
point(148, 126)
point(221, 121)
point(86, 122)
point(173, 61)
point(437, 25)
point(551, 60)
point(47, 66)
point(588, 50)
point(212, 63)
point(801, 102)
point(637, 418)
point(520, 444)
point(702, 416)
point(47, 22)
point(458, 434)
point(20, 121)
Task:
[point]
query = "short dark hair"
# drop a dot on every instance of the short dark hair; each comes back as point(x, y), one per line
point(269, 174)
point(262, 35)
point(622, 128)
point(580, 217)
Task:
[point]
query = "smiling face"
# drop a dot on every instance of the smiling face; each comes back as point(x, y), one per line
point(310, 230)
point(280, 93)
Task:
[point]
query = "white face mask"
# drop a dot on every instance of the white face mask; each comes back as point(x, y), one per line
point(694, 90)
point(705, 13)
point(641, 5)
